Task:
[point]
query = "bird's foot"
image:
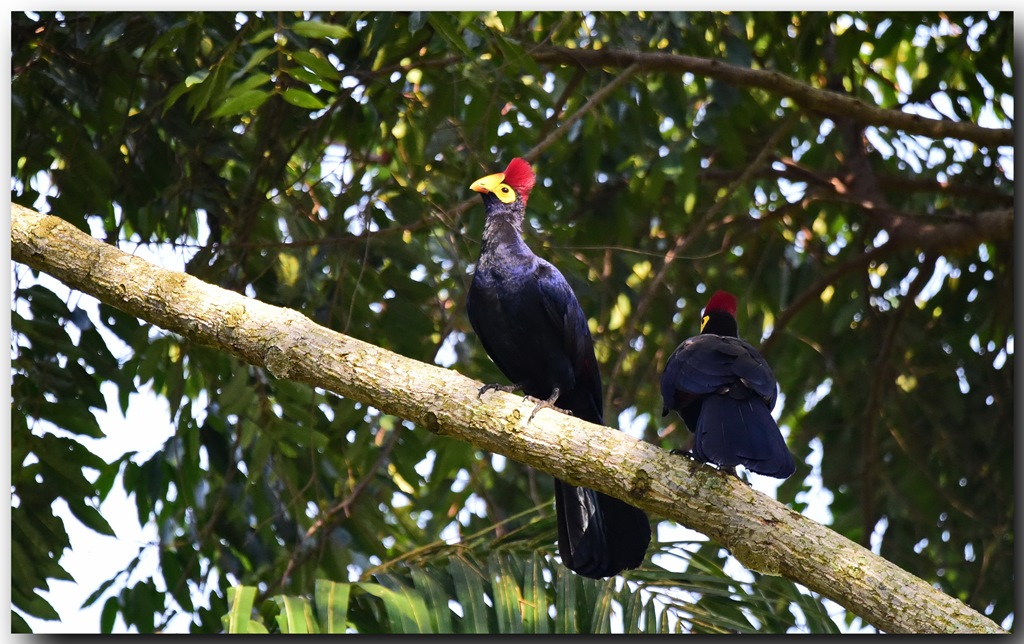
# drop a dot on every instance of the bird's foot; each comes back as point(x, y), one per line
point(549, 403)
point(685, 452)
point(692, 455)
point(506, 388)
point(734, 471)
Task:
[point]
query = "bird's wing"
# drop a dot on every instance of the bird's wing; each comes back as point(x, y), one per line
point(566, 318)
point(706, 363)
point(700, 365)
point(483, 307)
point(751, 367)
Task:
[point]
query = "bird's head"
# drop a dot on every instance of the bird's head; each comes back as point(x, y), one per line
point(510, 186)
point(720, 315)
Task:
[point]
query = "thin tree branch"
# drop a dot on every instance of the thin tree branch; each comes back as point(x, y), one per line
point(880, 382)
point(949, 234)
point(559, 106)
point(592, 102)
point(330, 518)
point(814, 290)
point(827, 102)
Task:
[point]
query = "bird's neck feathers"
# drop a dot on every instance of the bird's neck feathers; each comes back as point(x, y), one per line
point(504, 225)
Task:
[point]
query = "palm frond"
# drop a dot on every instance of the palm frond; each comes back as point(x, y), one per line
point(516, 585)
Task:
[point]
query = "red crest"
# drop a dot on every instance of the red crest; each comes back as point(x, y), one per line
point(722, 301)
point(520, 176)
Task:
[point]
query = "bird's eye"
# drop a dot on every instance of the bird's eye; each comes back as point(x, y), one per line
point(504, 189)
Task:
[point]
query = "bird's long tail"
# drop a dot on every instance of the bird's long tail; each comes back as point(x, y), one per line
point(598, 535)
point(734, 432)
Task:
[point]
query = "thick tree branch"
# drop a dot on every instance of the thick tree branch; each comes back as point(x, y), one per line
point(763, 534)
point(950, 234)
point(827, 102)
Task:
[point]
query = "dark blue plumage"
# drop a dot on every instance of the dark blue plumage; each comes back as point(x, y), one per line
point(725, 392)
point(531, 325)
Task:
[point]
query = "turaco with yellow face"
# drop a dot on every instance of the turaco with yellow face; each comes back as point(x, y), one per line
point(505, 195)
point(531, 325)
point(514, 183)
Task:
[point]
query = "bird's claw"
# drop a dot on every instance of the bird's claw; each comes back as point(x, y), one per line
point(685, 452)
point(693, 457)
point(549, 403)
point(506, 388)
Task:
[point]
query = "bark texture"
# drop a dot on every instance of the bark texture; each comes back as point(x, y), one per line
point(763, 534)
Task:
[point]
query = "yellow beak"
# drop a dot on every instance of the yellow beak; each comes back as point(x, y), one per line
point(489, 183)
point(495, 184)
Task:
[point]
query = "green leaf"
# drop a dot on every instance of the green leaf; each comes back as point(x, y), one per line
point(90, 517)
point(314, 29)
point(172, 96)
point(72, 416)
point(601, 619)
point(38, 607)
point(96, 594)
point(651, 623)
point(332, 605)
point(318, 65)
point(535, 599)
point(255, 59)
point(197, 77)
point(302, 98)
point(296, 616)
point(307, 77)
point(505, 594)
point(256, 627)
point(252, 81)
point(174, 576)
point(632, 609)
point(417, 19)
point(244, 102)
point(51, 569)
point(64, 459)
point(108, 616)
point(18, 623)
point(565, 621)
point(262, 35)
point(443, 24)
point(469, 592)
point(406, 611)
point(209, 88)
point(436, 599)
point(240, 601)
point(516, 55)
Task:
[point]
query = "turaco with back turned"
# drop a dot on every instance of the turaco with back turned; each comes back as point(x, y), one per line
point(725, 392)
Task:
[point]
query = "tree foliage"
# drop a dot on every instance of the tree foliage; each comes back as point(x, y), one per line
point(321, 162)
